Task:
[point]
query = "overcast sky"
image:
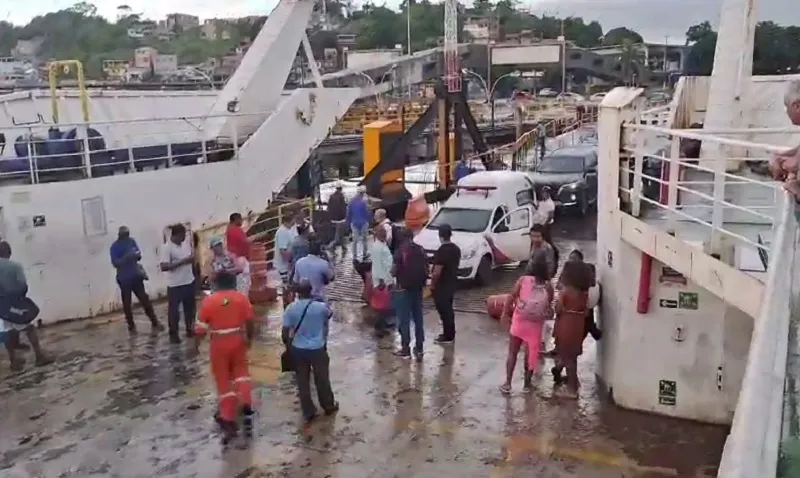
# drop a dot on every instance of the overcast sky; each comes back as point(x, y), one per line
point(654, 19)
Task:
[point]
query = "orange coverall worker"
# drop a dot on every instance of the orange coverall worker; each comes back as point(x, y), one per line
point(223, 316)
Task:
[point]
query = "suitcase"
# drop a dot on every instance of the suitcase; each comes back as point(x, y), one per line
point(495, 305)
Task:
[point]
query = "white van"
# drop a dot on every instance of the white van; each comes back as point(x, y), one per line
point(494, 204)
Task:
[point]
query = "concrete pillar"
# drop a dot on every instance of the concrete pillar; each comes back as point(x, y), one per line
point(733, 68)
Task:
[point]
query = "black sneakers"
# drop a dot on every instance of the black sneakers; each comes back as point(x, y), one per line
point(442, 340)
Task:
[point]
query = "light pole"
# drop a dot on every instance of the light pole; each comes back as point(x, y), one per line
point(202, 73)
point(485, 85)
point(513, 74)
point(376, 93)
point(563, 39)
point(408, 39)
point(374, 89)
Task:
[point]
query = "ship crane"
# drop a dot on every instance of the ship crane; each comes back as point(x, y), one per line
point(383, 168)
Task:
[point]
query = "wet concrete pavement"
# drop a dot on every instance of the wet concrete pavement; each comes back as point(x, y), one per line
point(115, 406)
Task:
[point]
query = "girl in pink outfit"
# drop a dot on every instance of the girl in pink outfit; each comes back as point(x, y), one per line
point(531, 300)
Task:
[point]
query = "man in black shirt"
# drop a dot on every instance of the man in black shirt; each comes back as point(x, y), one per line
point(337, 210)
point(443, 283)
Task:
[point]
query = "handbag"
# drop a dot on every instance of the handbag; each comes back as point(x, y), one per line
point(287, 365)
point(140, 270)
point(21, 311)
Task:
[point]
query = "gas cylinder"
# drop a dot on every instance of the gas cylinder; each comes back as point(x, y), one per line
point(496, 305)
point(418, 213)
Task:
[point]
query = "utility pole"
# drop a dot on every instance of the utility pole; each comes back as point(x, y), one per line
point(563, 59)
point(666, 68)
point(408, 39)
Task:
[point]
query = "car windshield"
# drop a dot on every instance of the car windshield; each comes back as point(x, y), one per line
point(460, 219)
point(561, 164)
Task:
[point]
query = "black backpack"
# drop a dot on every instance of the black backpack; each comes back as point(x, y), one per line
point(395, 242)
point(412, 268)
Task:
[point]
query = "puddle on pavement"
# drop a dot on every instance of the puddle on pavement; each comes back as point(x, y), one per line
point(265, 363)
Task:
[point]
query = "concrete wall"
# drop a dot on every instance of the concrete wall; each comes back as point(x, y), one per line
point(698, 353)
point(674, 344)
point(23, 107)
point(66, 258)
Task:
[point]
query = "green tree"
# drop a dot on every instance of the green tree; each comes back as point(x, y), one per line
point(776, 49)
point(8, 37)
point(698, 32)
point(482, 7)
point(618, 36)
point(632, 61)
point(584, 35)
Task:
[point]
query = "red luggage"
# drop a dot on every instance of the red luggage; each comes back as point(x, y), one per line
point(381, 299)
point(496, 304)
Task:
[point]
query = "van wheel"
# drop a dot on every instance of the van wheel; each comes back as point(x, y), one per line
point(484, 274)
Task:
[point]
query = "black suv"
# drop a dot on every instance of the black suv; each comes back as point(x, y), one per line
point(571, 174)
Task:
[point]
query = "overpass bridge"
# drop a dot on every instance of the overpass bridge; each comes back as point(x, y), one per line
point(394, 73)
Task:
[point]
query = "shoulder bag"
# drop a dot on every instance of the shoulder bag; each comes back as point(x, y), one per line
point(287, 365)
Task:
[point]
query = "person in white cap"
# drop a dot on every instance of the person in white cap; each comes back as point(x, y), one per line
point(382, 221)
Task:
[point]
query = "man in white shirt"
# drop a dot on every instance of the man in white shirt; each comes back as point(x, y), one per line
point(545, 212)
point(284, 237)
point(382, 263)
point(177, 261)
point(384, 223)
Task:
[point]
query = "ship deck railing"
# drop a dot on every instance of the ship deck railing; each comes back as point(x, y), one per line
point(699, 202)
point(47, 152)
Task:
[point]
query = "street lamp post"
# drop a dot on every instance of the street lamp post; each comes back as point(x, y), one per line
point(374, 89)
point(202, 73)
point(467, 71)
point(376, 93)
point(513, 74)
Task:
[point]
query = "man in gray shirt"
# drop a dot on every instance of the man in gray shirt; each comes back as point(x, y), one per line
point(541, 251)
point(13, 288)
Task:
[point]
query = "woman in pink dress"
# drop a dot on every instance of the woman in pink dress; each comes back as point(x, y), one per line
point(530, 301)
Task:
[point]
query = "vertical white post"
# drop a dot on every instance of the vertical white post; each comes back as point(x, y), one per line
point(204, 149)
point(235, 139)
point(87, 158)
point(131, 161)
point(31, 160)
point(733, 64)
point(638, 165)
point(672, 183)
point(717, 208)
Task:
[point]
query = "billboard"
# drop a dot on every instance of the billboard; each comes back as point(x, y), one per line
point(526, 54)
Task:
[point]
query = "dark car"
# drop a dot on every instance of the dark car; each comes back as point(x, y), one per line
point(571, 174)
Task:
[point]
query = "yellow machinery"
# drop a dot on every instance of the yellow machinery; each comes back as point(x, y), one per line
point(378, 136)
point(53, 70)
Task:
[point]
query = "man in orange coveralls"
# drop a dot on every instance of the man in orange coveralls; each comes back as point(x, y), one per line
point(227, 317)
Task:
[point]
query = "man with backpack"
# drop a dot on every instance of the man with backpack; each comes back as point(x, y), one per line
point(411, 272)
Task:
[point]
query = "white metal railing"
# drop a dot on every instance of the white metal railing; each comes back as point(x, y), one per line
point(752, 447)
point(657, 116)
point(751, 450)
point(42, 152)
point(661, 176)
